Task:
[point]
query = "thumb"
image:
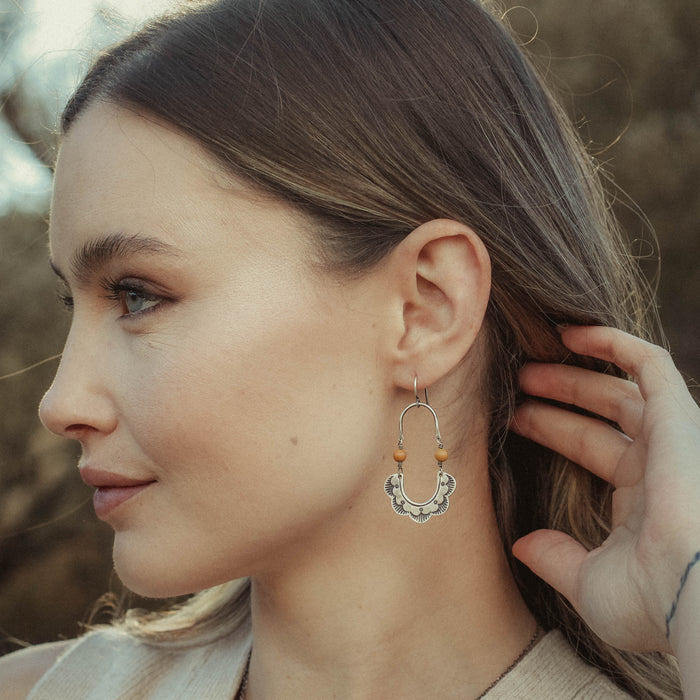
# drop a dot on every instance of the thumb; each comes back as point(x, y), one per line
point(554, 557)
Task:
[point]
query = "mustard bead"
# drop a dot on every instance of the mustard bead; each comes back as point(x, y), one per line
point(399, 455)
point(441, 455)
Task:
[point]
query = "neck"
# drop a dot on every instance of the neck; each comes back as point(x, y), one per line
point(429, 609)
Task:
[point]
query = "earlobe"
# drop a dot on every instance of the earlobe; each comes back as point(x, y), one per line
point(443, 279)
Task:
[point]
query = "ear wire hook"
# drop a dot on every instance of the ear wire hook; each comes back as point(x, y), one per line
point(415, 391)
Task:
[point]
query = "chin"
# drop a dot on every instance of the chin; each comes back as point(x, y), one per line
point(147, 575)
point(148, 585)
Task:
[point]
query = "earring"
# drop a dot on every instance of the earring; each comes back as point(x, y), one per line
point(393, 486)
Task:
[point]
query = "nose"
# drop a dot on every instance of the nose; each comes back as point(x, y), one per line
point(78, 403)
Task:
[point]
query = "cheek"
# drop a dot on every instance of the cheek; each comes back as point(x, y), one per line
point(272, 404)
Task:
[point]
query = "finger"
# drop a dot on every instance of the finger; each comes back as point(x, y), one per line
point(616, 399)
point(651, 365)
point(554, 557)
point(587, 441)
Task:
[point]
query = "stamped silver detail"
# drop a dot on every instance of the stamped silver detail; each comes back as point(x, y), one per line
point(437, 504)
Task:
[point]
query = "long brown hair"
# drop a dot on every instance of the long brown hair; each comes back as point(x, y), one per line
point(374, 116)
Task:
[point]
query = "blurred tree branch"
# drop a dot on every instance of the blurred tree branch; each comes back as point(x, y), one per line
point(18, 107)
point(13, 108)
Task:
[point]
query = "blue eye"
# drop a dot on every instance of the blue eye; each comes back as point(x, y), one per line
point(132, 296)
point(136, 302)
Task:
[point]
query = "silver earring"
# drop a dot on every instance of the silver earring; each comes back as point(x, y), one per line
point(393, 486)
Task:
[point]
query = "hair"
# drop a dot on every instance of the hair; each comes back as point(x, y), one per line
point(372, 117)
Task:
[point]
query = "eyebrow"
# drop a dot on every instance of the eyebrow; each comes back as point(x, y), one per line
point(95, 254)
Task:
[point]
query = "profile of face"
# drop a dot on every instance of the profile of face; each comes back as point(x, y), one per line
point(210, 358)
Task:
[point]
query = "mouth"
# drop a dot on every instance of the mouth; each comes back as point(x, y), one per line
point(112, 489)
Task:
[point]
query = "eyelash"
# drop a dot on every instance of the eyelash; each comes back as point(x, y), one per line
point(66, 300)
point(116, 291)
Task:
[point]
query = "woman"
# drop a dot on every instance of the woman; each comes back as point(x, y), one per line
point(279, 224)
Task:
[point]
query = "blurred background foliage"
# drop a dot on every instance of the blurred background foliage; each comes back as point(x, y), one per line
point(628, 71)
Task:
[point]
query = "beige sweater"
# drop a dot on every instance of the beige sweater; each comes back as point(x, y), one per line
point(109, 665)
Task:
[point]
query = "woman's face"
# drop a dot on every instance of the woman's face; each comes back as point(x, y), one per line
point(209, 358)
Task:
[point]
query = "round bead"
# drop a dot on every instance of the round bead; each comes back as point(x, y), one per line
point(441, 455)
point(399, 455)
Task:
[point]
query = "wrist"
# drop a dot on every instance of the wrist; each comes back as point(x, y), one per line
point(684, 632)
point(684, 610)
point(677, 564)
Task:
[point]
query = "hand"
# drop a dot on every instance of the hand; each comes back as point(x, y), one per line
point(625, 589)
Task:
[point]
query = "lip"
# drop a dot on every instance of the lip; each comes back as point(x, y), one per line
point(99, 478)
point(112, 489)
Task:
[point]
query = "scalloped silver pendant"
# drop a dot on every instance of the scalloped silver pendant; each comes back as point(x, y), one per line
point(420, 512)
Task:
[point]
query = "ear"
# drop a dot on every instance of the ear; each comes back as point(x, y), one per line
point(440, 284)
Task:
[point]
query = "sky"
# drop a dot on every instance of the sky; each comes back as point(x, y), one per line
point(51, 53)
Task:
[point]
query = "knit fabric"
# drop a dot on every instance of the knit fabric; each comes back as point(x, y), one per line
point(110, 665)
point(551, 670)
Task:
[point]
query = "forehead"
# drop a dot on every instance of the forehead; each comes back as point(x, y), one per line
point(106, 131)
point(119, 172)
point(113, 155)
